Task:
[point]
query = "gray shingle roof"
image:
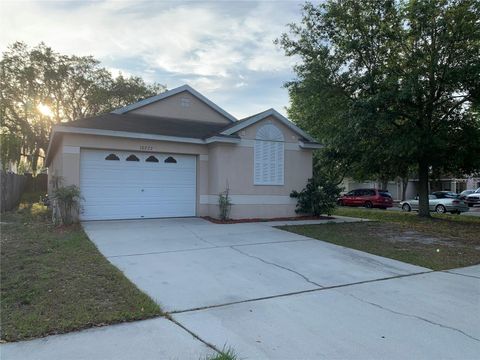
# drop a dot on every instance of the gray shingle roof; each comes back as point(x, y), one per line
point(150, 125)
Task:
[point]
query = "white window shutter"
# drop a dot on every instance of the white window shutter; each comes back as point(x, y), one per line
point(269, 156)
point(280, 164)
point(257, 162)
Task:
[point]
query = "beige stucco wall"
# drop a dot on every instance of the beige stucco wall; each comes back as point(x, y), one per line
point(171, 107)
point(66, 161)
point(217, 164)
point(233, 165)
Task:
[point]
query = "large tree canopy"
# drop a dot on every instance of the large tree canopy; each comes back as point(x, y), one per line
point(40, 87)
point(388, 85)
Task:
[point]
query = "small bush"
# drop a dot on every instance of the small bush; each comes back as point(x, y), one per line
point(34, 211)
point(224, 204)
point(318, 197)
point(67, 201)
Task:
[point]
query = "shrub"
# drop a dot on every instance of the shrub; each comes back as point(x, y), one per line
point(318, 197)
point(67, 201)
point(34, 211)
point(224, 204)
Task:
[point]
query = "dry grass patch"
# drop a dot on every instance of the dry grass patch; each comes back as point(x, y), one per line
point(440, 243)
point(54, 280)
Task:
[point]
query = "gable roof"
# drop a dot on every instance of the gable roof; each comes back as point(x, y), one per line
point(241, 124)
point(123, 123)
point(172, 92)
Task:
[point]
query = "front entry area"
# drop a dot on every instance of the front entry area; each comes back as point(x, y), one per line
point(135, 185)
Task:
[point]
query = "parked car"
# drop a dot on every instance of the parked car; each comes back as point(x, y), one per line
point(440, 202)
point(445, 194)
point(465, 193)
point(369, 198)
point(474, 198)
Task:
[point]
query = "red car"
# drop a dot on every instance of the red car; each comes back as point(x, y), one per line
point(369, 198)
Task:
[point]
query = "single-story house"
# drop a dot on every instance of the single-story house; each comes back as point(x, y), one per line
point(171, 155)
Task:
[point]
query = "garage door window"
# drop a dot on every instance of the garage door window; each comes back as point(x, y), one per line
point(112, 157)
point(170, 160)
point(133, 158)
point(151, 158)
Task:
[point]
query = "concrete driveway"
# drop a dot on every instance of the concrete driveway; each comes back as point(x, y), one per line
point(271, 294)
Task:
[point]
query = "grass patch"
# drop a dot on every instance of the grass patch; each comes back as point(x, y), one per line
point(225, 354)
point(54, 280)
point(440, 243)
point(403, 217)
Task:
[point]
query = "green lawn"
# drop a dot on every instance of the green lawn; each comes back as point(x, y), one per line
point(54, 280)
point(440, 243)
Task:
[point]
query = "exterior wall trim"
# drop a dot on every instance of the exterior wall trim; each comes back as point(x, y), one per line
point(125, 134)
point(270, 112)
point(304, 145)
point(250, 200)
point(222, 139)
point(251, 143)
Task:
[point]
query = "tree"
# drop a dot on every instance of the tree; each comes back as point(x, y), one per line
point(39, 88)
point(389, 84)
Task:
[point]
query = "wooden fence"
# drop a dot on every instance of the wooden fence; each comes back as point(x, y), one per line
point(13, 186)
point(37, 183)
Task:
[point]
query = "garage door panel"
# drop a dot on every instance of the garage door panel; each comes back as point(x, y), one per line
point(120, 189)
point(157, 198)
point(116, 192)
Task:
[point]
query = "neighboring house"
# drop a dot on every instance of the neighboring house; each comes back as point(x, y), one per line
point(172, 154)
point(396, 187)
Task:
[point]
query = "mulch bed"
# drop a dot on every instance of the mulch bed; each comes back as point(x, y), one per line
point(251, 220)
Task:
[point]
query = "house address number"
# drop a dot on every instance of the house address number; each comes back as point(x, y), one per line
point(146, 147)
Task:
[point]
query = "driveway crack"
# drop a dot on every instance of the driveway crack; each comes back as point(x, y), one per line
point(196, 336)
point(277, 265)
point(460, 274)
point(414, 317)
point(213, 306)
point(198, 236)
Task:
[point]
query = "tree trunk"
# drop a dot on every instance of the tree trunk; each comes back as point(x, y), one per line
point(404, 188)
point(34, 161)
point(384, 184)
point(423, 209)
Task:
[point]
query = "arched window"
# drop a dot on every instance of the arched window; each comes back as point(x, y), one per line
point(269, 156)
point(133, 158)
point(170, 160)
point(151, 158)
point(112, 157)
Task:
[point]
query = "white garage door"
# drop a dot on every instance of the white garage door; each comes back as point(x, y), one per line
point(134, 185)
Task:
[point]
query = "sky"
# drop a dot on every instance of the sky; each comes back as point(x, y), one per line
point(223, 49)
